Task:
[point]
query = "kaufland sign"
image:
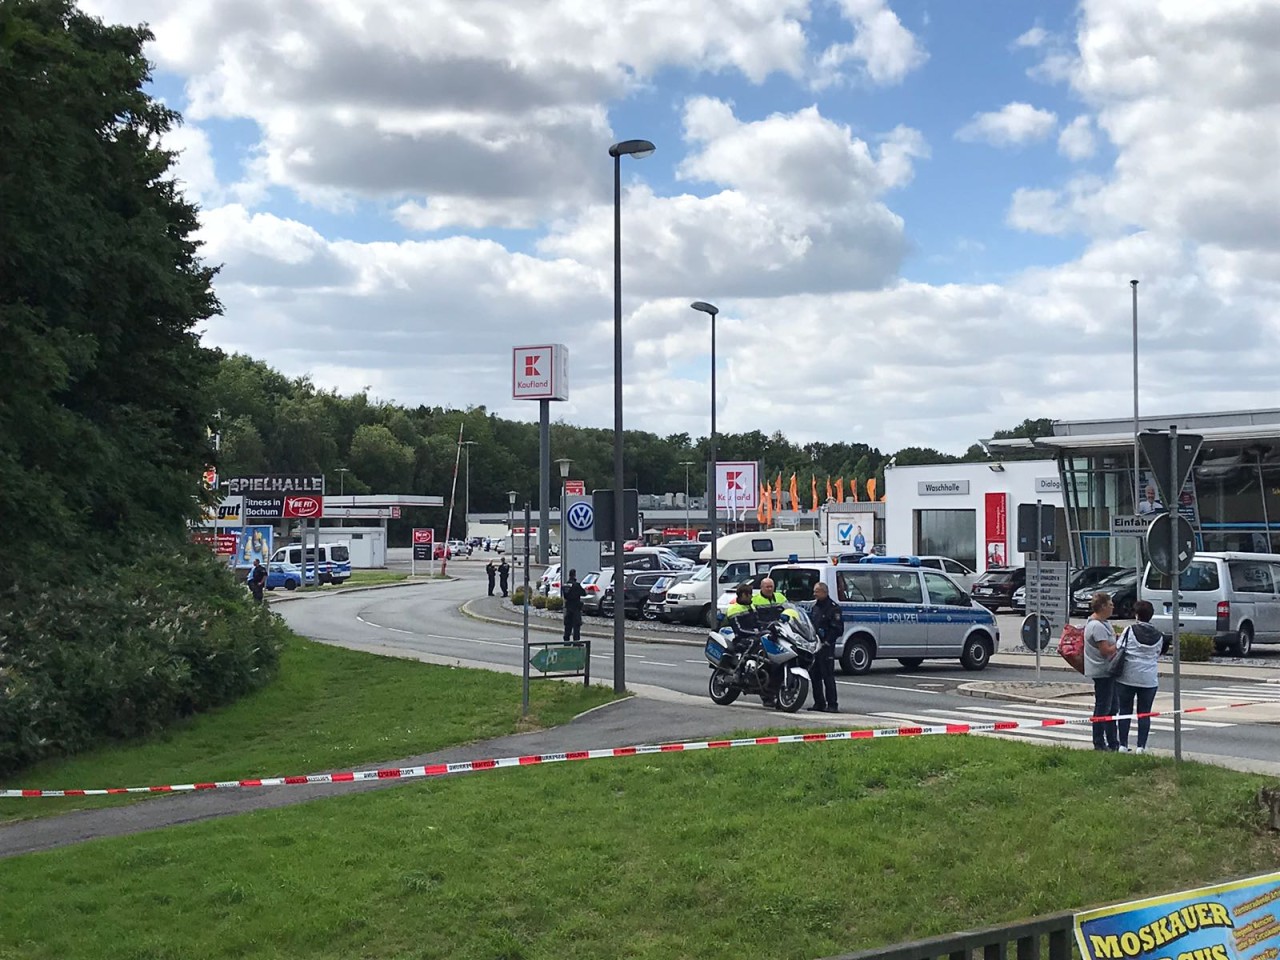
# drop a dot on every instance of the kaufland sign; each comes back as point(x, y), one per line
point(538, 372)
point(737, 485)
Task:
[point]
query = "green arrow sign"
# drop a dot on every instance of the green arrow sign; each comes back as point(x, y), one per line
point(559, 660)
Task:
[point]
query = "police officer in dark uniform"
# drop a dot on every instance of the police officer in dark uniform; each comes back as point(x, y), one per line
point(504, 571)
point(573, 593)
point(828, 623)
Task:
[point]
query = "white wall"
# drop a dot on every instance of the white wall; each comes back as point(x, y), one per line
point(1018, 479)
point(368, 544)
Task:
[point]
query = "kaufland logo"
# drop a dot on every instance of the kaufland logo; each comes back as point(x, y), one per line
point(531, 365)
point(731, 479)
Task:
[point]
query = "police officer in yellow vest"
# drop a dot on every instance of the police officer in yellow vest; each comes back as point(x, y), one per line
point(769, 602)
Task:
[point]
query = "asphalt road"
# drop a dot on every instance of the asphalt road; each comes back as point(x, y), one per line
point(424, 620)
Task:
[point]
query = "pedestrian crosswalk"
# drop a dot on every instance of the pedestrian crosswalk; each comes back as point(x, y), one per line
point(1029, 713)
point(1236, 693)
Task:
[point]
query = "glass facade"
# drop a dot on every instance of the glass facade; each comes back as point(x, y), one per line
point(1233, 494)
point(948, 533)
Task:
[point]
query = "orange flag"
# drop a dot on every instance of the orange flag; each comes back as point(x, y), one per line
point(761, 500)
point(883, 498)
point(871, 488)
point(768, 506)
point(853, 488)
point(777, 489)
point(795, 497)
point(813, 481)
point(829, 496)
point(839, 489)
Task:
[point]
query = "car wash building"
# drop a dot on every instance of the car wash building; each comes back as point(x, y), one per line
point(966, 511)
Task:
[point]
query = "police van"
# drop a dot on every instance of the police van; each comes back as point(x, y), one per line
point(334, 560)
point(894, 607)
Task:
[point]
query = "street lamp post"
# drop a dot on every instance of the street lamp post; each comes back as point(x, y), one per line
point(1137, 483)
point(713, 512)
point(637, 149)
point(511, 524)
point(466, 521)
point(686, 464)
point(564, 463)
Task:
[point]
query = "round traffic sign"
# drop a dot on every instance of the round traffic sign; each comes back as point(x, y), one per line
point(580, 516)
point(1162, 553)
point(1035, 624)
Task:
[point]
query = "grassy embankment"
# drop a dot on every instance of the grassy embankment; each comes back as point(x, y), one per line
point(787, 852)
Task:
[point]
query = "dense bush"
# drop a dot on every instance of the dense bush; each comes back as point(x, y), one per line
point(539, 601)
point(1195, 647)
point(555, 603)
point(124, 653)
point(517, 596)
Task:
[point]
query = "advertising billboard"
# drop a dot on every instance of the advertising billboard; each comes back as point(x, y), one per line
point(850, 532)
point(253, 543)
point(996, 507)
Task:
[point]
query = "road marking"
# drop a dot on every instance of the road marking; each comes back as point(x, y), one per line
point(660, 663)
point(1002, 712)
point(378, 626)
point(886, 686)
point(934, 716)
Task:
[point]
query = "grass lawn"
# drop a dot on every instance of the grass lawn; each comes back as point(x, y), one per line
point(329, 708)
point(362, 578)
point(778, 852)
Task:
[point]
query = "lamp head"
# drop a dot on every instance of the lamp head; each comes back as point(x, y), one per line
point(705, 307)
point(564, 463)
point(636, 148)
point(511, 497)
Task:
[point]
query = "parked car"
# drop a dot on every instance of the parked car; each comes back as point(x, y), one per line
point(281, 574)
point(459, 549)
point(636, 587)
point(956, 570)
point(549, 575)
point(1123, 587)
point(1083, 578)
point(1231, 597)
point(689, 549)
point(994, 589)
point(595, 583)
point(658, 592)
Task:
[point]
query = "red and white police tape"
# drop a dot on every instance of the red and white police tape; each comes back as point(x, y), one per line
point(475, 766)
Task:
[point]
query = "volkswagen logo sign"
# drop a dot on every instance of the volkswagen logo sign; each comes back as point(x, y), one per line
point(580, 516)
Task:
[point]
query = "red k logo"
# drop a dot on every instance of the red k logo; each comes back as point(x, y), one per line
point(731, 479)
point(531, 365)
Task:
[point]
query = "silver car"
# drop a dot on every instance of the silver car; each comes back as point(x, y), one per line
point(1232, 597)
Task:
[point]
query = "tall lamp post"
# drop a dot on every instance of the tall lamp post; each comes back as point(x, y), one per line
point(1137, 482)
point(713, 512)
point(466, 522)
point(686, 464)
point(638, 149)
point(564, 463)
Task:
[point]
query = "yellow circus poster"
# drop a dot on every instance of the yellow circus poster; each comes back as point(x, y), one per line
point(1230, 921)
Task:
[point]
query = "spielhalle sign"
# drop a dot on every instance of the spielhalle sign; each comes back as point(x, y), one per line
point(279, 497)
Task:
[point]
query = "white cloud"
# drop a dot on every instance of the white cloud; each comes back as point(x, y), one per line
point(800, 208)
point(1012, 125)
point(1076, 141)
point(882, 48)
point(1033, 38)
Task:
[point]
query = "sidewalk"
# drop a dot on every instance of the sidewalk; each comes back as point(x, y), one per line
point(1012, 653)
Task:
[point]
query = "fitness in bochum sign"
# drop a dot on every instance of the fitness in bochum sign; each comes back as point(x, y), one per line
point(1230, 921)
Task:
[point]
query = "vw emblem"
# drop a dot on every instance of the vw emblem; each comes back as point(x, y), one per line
point(580, 516)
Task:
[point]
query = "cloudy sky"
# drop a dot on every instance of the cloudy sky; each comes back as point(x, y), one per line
point(918, 217)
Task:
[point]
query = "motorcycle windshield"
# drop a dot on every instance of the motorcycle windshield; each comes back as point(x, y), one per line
point(798, 620)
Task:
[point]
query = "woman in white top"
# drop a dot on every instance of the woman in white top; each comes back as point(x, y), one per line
point(1099, 649)
point(1140, 678)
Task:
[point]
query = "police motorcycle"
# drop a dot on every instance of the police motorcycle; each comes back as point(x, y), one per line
point(774, 666)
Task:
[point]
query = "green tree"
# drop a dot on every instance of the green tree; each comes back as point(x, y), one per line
point(103, 413)
point(380, 460)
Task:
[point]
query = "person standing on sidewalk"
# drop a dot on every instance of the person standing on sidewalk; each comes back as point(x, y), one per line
point(1139, 678)
point(573, 593)
point(828, 623)
point(1099, 650)
point(257, 580)
point(504, 571)
point(490, 571)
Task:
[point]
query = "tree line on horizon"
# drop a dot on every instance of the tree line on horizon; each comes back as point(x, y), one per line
point(273, 424)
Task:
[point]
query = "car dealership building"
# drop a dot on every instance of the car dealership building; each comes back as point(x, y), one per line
point(968, 510)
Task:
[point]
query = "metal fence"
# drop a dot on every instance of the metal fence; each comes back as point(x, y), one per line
point(1049, 937)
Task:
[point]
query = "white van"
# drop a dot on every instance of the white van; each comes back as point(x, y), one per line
point(1232, 597)
point(739, 556)
point(335, 559)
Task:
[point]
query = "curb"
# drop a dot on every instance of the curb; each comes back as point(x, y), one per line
point(594, 634)
point(290, 597)
point(981, 688)
point(1210, 672)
